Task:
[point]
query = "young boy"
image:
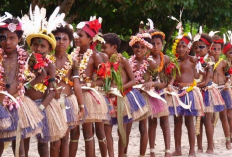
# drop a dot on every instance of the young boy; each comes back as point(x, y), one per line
point(54, 125)
point(213, 101)
point(134, 102)
point(25, 116)
point(67, 77)
point(94, 101)
point(221, 77)
point(188, 93)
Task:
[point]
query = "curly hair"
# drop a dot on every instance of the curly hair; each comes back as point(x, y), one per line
point(15, 21)
point(112, 39)
point(65, 29)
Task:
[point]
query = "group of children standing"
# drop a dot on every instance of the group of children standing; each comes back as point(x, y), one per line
point(49, 92)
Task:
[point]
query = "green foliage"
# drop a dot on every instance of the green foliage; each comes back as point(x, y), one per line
point(126, 55)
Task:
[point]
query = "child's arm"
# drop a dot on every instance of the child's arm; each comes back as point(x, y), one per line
point(130, 73)
point(77, 89)
point(209, 74)
point(38, 78)
point(51, 88)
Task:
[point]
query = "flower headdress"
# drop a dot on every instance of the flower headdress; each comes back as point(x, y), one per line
point(180, 35)
point(36, 26)
point(92, 28)
point(10, 26)
point(229, 45)
point(140, 38)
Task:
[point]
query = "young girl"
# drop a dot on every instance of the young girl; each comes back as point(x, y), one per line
point(221, 77)
point(54, 125)
point(185, 86)
point(129, 107)
point(95, 103)
point(67, 77)
point(213, 101)
point(19, 114)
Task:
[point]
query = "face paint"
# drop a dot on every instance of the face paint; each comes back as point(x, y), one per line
point(39, 41)
point(3, 37)
point(58, 38)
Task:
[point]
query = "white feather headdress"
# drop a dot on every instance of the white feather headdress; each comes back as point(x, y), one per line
point(3, 18)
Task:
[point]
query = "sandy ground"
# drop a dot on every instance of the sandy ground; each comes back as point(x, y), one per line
point(133, 151)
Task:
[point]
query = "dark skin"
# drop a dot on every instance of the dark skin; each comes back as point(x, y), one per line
point(229, 111)
point(128, 81)
point(187, 68)
point(220, 79)
point(42, 47)
point(9, 47)
point(207, 77)
point(164, 121)
point(139, 50)
point(61, 58)
point(84, 43)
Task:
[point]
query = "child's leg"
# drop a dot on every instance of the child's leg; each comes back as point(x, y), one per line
point(100, 132)
point(191, 134)
point(128, 131)
point(26, 146)
point(164, 123)
point(73, 144)
point(152, 125)
point(55, 148)
point(43, 149)
point(120, 144)
point(109, 138)
point(177, 135)
point(21, 148)
point(64, 148)
point(1, 148)
point(226, 128)
point(144, 136)
point(229, 117)
point(199, 138)
point(209, 132)
point(88, 136)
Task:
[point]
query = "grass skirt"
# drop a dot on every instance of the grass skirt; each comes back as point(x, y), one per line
point(30, 121)
point(212, 98)
point(227, 97)
point(54, 124)
point(96, 106)
point(5, 121)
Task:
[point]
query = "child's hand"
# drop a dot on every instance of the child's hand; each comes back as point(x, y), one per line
point(81, 113)
point(170, 88)
point(148, 85)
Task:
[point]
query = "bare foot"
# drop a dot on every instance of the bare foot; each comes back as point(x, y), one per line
point(167, 154)
point(192, 153)
point(228, 145)
point(152, 154)
point(209, 151)
point(176, 153)
point(200, 150)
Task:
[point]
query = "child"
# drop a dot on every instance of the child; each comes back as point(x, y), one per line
point(19, 114)
point(227, 51)
point(188, 93)
point(213, 101)
point(222, 78)
point(54, 125)
point(67, 77)
point(94, 101)
point(134, 101)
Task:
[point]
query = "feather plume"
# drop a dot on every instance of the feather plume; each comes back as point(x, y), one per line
point(151, 24)
point(224, 38)
point(55, 21)
point(173, 18)
point(54, 14)
point(190, 35)
point(200, 29)
point(6, 16)
point(212, 33)
point(100, 20)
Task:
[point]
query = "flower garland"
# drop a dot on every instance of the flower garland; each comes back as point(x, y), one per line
point(190, 88)
point(174, 47)
point(138, 73)
point(61, 73)
point(218, 62)
point(161, 65)
point(7, 101)
point(139, 38)
point(158, 33)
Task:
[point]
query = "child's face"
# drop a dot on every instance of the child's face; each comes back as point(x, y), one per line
point(139, 49)
point(157, 46)
point(229, 54)
point(201, 48)
point(108, 49)
point(41, 46)
point(84, 40)
point(8, 40)
point(216, 50)
point(62, 41)
point(182, 49)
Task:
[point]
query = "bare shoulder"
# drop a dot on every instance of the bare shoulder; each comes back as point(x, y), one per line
point(166, 59)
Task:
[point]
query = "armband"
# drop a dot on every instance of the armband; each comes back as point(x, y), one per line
point(81, 106)
point(41, 107)
point(51, 80)
point(227, 74)
point(76, 76)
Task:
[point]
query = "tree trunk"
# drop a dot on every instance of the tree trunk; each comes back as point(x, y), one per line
point(66, 6)
point(169, 38)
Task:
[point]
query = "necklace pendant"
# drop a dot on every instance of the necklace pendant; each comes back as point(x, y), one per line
point(7, 85)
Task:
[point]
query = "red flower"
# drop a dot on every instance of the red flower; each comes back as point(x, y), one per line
point(95, 25)
point(40, 62)
point(46, 80)
point(115, 66)
point(230, 70)
point(176, 55)
point(101, 70)
point(170, 68)
point(202, 60)
point(108, 69)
